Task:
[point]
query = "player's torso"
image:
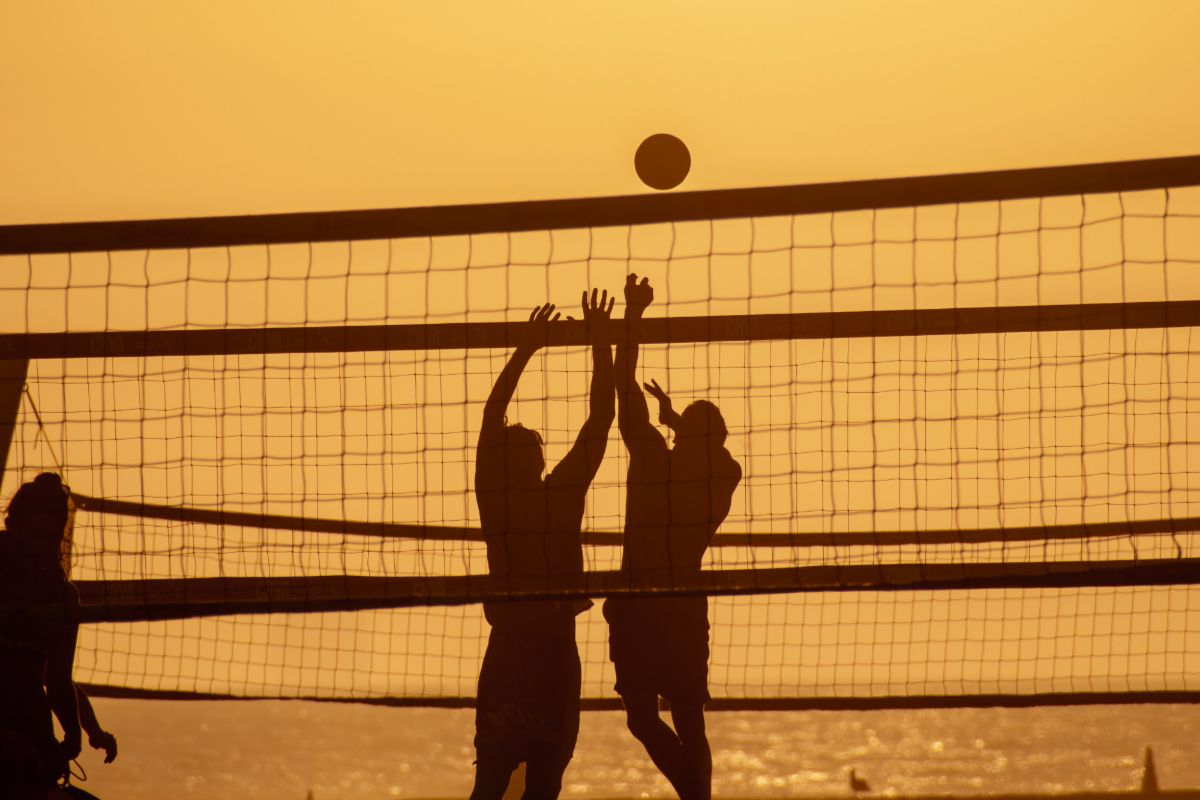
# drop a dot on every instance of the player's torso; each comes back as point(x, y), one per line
point(532, 532)
point(28, 630)
point(669, 518)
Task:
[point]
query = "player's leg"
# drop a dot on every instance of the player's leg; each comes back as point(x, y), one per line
point(688, 692)
point(688, 717)
point(496, 754)
point(543, 777)
point(553, 684)
point(661, 743)
point(29, 762)
point(492, 774)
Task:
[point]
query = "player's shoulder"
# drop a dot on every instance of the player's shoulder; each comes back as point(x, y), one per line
point(646, 441)
point(728, 466)
point(725, 460)
point(650, 448)
point(569, 475)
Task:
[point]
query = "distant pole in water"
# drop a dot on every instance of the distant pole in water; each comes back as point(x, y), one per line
point(1149, 774)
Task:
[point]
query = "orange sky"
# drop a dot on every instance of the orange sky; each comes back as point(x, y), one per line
point(129, 110)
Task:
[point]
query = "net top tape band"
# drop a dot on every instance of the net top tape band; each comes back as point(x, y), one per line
point(1121, 176)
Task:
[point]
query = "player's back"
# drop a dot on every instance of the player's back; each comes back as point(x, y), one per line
point(27, 585)
point(676, 500)
point(532, 535)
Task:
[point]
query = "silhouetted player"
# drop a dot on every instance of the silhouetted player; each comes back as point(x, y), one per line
point(37, 641)
point(35, 571)
point(676, 499)
point(527, 706)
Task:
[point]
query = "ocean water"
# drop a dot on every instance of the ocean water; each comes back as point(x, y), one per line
point(260, 749)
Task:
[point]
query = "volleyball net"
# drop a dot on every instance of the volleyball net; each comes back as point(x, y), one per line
point(966, 408)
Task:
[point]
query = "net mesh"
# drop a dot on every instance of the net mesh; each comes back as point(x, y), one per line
point(1050, 446)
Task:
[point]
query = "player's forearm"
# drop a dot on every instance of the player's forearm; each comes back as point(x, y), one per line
point(627, 354)
point(61, 694)
point(60, 688)
point(632, 411)
point(87, 714)
point(602, 401)
point(626, 368)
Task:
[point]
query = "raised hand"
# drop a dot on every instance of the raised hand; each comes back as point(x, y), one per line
point(666, 414)
point(638, 294)
point(599, 307)
point(596, 312)
point(103, 740)
point(533, 334)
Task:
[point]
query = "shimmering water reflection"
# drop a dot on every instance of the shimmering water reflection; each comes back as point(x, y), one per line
point(234, 750)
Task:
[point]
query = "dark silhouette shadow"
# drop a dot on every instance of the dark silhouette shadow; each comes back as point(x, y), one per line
point(37, 648)
point(677, 497)
point(527, 707)
point(37, 644)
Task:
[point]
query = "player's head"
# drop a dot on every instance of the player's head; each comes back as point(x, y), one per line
point(701, 423)
point(41, 510)
point(523, 459)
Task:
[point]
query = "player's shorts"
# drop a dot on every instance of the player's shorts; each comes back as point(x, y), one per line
point(528, 701)
point(659, 646)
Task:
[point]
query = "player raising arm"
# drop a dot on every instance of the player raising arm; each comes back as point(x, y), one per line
point(677, 497)
point(527, 706)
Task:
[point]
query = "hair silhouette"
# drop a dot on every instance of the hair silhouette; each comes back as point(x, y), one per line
point(702, 420)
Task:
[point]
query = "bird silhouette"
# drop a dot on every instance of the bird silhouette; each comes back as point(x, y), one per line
point(857, 784)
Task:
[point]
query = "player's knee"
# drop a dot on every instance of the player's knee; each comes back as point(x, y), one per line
point(643, 722)
point(689, 722)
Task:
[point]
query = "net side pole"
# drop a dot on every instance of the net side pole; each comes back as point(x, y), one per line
point(12, 386)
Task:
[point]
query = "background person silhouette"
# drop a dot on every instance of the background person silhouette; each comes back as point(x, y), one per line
point(37, 641)
point(676, 498)
point(527, 706)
